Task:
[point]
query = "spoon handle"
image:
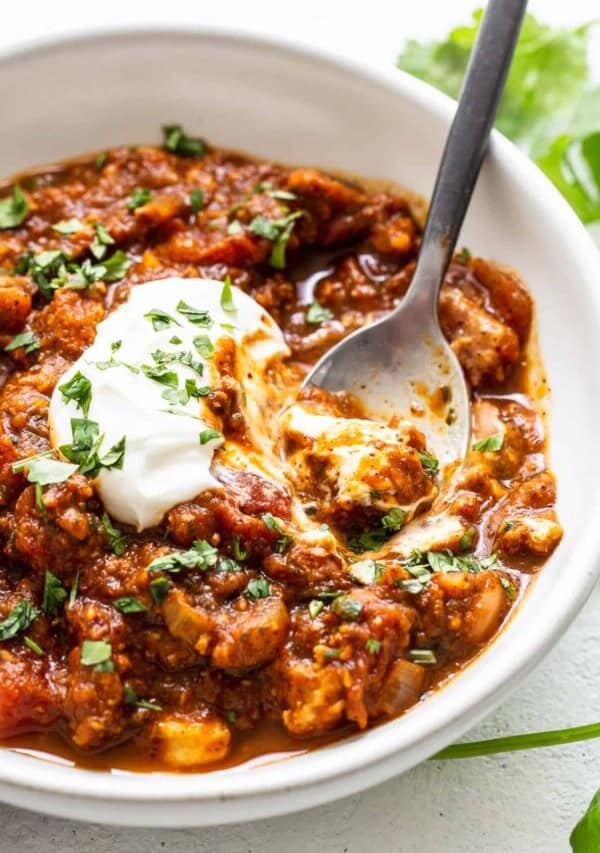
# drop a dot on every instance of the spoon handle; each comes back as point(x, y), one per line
point(466, 144)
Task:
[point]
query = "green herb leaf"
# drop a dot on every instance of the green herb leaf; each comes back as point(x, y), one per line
point(546, 107)
point(100, 160)
point(284, 540)
point(227, 297)
point(426, 657)
point(366, 571)
point(394, 519)
point(239, 551)
point(158, 589)
point(314, 608)
point(13, 209)
point(114, 267)
point(31, 644)
point(130, 697)
point(139, 197)
point(54, 595)
point(44, 471)
point(317, 314)
point(69, 226)
point(117, 540)
point(234, 227)
point(204, 346)
point(373, 646)
point(347, 608)
point(278, 231)
point(196, 200)
point(178, 142)
point(258, 588)
point(102, 239)
point(27, 340)
point(200, 556)
point(491, 444)
point(19, 619)
point(429, 462)
point(78, 389)
point(210, 435)
point(160, 319)
point(197, 316)
point(129, 604)
point(97, 653)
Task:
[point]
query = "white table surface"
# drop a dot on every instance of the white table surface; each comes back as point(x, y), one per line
point(502, 804)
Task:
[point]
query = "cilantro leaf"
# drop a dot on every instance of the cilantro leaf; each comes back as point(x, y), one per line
point(117, 540)
point(54, 595)
point(200, 556)
point(139, 197)
point(178, 142)
point(27, 340)
point(227, 303)
point(19, 619)
point(491, 444)
point(13, 209)
point(317, 314)
point(78, 389)
point(97, 653)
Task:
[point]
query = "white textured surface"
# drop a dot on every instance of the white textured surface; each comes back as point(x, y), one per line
point(502, 804)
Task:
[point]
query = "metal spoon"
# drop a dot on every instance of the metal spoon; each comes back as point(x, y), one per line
point(401, 362)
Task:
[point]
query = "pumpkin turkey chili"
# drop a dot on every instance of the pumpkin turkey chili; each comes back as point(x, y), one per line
point(201, 563)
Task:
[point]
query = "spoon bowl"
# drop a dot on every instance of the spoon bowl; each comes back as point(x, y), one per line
point(402, 365)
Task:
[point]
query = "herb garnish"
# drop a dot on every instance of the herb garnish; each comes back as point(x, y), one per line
point(197, 316)
point(158, 589)
point(196, 200)
point(373, 539)
point(178, 142)
point(54, 595)
point(31, 644)
point(239, 551)
point(317, 314)
point(78, 389)
point(160, 319)
point(84, 451)
point(139, 197)
point(314, 608)
point(227, 297)
point(43, 471)
point(19, 619)
point(204, 346)
point(426, 657)
point(429, 462)
point(422, 566)
point(100, 241)
point(100, 160)
point(13, 209)
point(492, 443)
point(278, 231)
point(210, 435)
point(130, 697)
point(69, 226)
point(129, 604)
point(258, 588)
point(373, 646)
point(284, 540)
point(200, 556)
point(27, 340)
point(347, 608)
point(97, 653)
point(117, 540)
point(53, 269)
point(366, 571)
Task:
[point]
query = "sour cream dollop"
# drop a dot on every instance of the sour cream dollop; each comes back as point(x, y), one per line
point(166, 322)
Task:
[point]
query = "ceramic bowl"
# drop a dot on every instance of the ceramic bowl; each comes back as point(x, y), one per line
point(275, 100)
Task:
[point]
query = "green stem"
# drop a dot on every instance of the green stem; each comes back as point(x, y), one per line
point(517, 742)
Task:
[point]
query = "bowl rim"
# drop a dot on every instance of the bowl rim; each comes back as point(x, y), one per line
point(263, 791)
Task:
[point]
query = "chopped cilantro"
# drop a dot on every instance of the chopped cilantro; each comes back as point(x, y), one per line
point(97, 653)
point(19, 619)
point(239, 551)
point(196, 200)
point(429, 462)
point(54, 595)
point(210, 435)
point(284, 540)
point(27, 340)
point(200, 556)
point(100, 160)
point(158, 589)
point(491, 444)
point(31, 644)
point(160, 319)
point(258, 588)
point(204, 346)
point(347, 608)
point(227, 297)
point(78, 389)
point(117, 540)
point(426, 657)
point(278, 231)
point(101, 241)
point(69, 226)
point(314, 608)
point(13, 209)
point(129, 604)
point(197, 316)
point(373, 646)
point(178, 142)
point(130, 697)
point(139, 197)
point(317, 314)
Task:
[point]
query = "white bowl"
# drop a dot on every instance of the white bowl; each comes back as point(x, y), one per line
point(303, 107)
